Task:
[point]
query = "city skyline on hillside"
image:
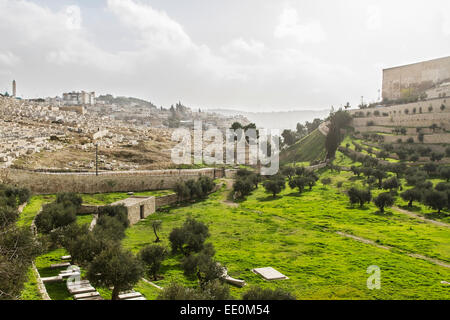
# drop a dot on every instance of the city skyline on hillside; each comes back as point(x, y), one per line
point(274, 56)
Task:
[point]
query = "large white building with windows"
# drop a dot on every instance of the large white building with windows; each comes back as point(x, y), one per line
point(79, 98)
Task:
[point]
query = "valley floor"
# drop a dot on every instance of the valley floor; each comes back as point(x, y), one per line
point(314, 238)
point(299, 236)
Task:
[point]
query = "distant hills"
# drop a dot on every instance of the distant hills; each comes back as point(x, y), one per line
point(125, 101)
point(277, 119)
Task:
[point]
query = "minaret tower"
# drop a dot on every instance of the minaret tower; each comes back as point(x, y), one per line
point(14, 88)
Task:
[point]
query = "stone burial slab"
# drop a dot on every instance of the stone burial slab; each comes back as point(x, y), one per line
point(137, 298)
point(60, 265)
point(52, 279)
point(69, 274)
point(77, 283)
point(84, 289)
point(127, 296)
point(86, 295)
point(270, 273)
point(91, 298)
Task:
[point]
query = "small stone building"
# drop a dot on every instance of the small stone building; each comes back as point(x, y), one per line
point(137, 207)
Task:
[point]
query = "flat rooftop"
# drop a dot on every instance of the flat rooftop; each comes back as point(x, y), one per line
point(131, 201)
point(419, 62)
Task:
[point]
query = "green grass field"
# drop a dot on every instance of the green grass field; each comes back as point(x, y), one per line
point(296, 234)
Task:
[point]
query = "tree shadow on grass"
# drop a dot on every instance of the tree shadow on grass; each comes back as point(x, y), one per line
point(49, 272)
point(363, 208)
point(383, 214)
point(294, 194)
point(269, 198)
point(165, 268)
point(435, 215)
point(412, 209)
point(178, 257)
point(185, 203)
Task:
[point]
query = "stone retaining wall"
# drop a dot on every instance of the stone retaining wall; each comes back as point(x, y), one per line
point(50, 183)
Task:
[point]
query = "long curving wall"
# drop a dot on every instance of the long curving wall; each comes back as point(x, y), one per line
point(50, 183)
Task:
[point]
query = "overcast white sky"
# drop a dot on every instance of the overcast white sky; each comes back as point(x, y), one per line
point(253, 55)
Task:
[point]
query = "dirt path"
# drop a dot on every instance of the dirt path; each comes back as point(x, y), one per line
point(229, 185)
point(417, 216)
point(323, 128)
point(152, 284)
point(413, 255)
point(40, 285)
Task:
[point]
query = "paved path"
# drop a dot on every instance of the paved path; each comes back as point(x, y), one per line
point(323, 128)
point(93, 222)
point(413, 255)
point(151, 283)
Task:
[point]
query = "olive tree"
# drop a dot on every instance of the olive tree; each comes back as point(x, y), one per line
point(384, 200)
point(116, 268)
point(152, 256)
point(411, 195)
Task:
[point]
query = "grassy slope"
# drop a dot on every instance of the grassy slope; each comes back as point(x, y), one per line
point(311, 147)
point(419, 208)
point(32, 209)
point(296, 234)
point(30, 290)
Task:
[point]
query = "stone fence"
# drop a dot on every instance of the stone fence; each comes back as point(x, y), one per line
point(118, 181)
point(160, 201)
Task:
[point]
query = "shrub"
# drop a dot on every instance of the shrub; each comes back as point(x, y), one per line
point(359, 196)
point(182, 191)
point(430, 168)
point(69, 198)
point(55, 215)
point(414, 157)
point(435, 156)
point(213, 290)
point(258, 293)
point(436, 200)
point(384, 200)
point(190, 237)
point(242, 187)
point(414, 179)
point(391, 183)
point(299, 182)
point(86, 246)
point(8, 216)
point(115, 268)
point(275, 184)
point(110, 228)
point(411, 195)
point(444, 173)
point(203, 266)
point(118, 212)
point(152, 256)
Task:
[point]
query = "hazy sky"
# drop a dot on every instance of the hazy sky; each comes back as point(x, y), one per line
point(254, 55)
